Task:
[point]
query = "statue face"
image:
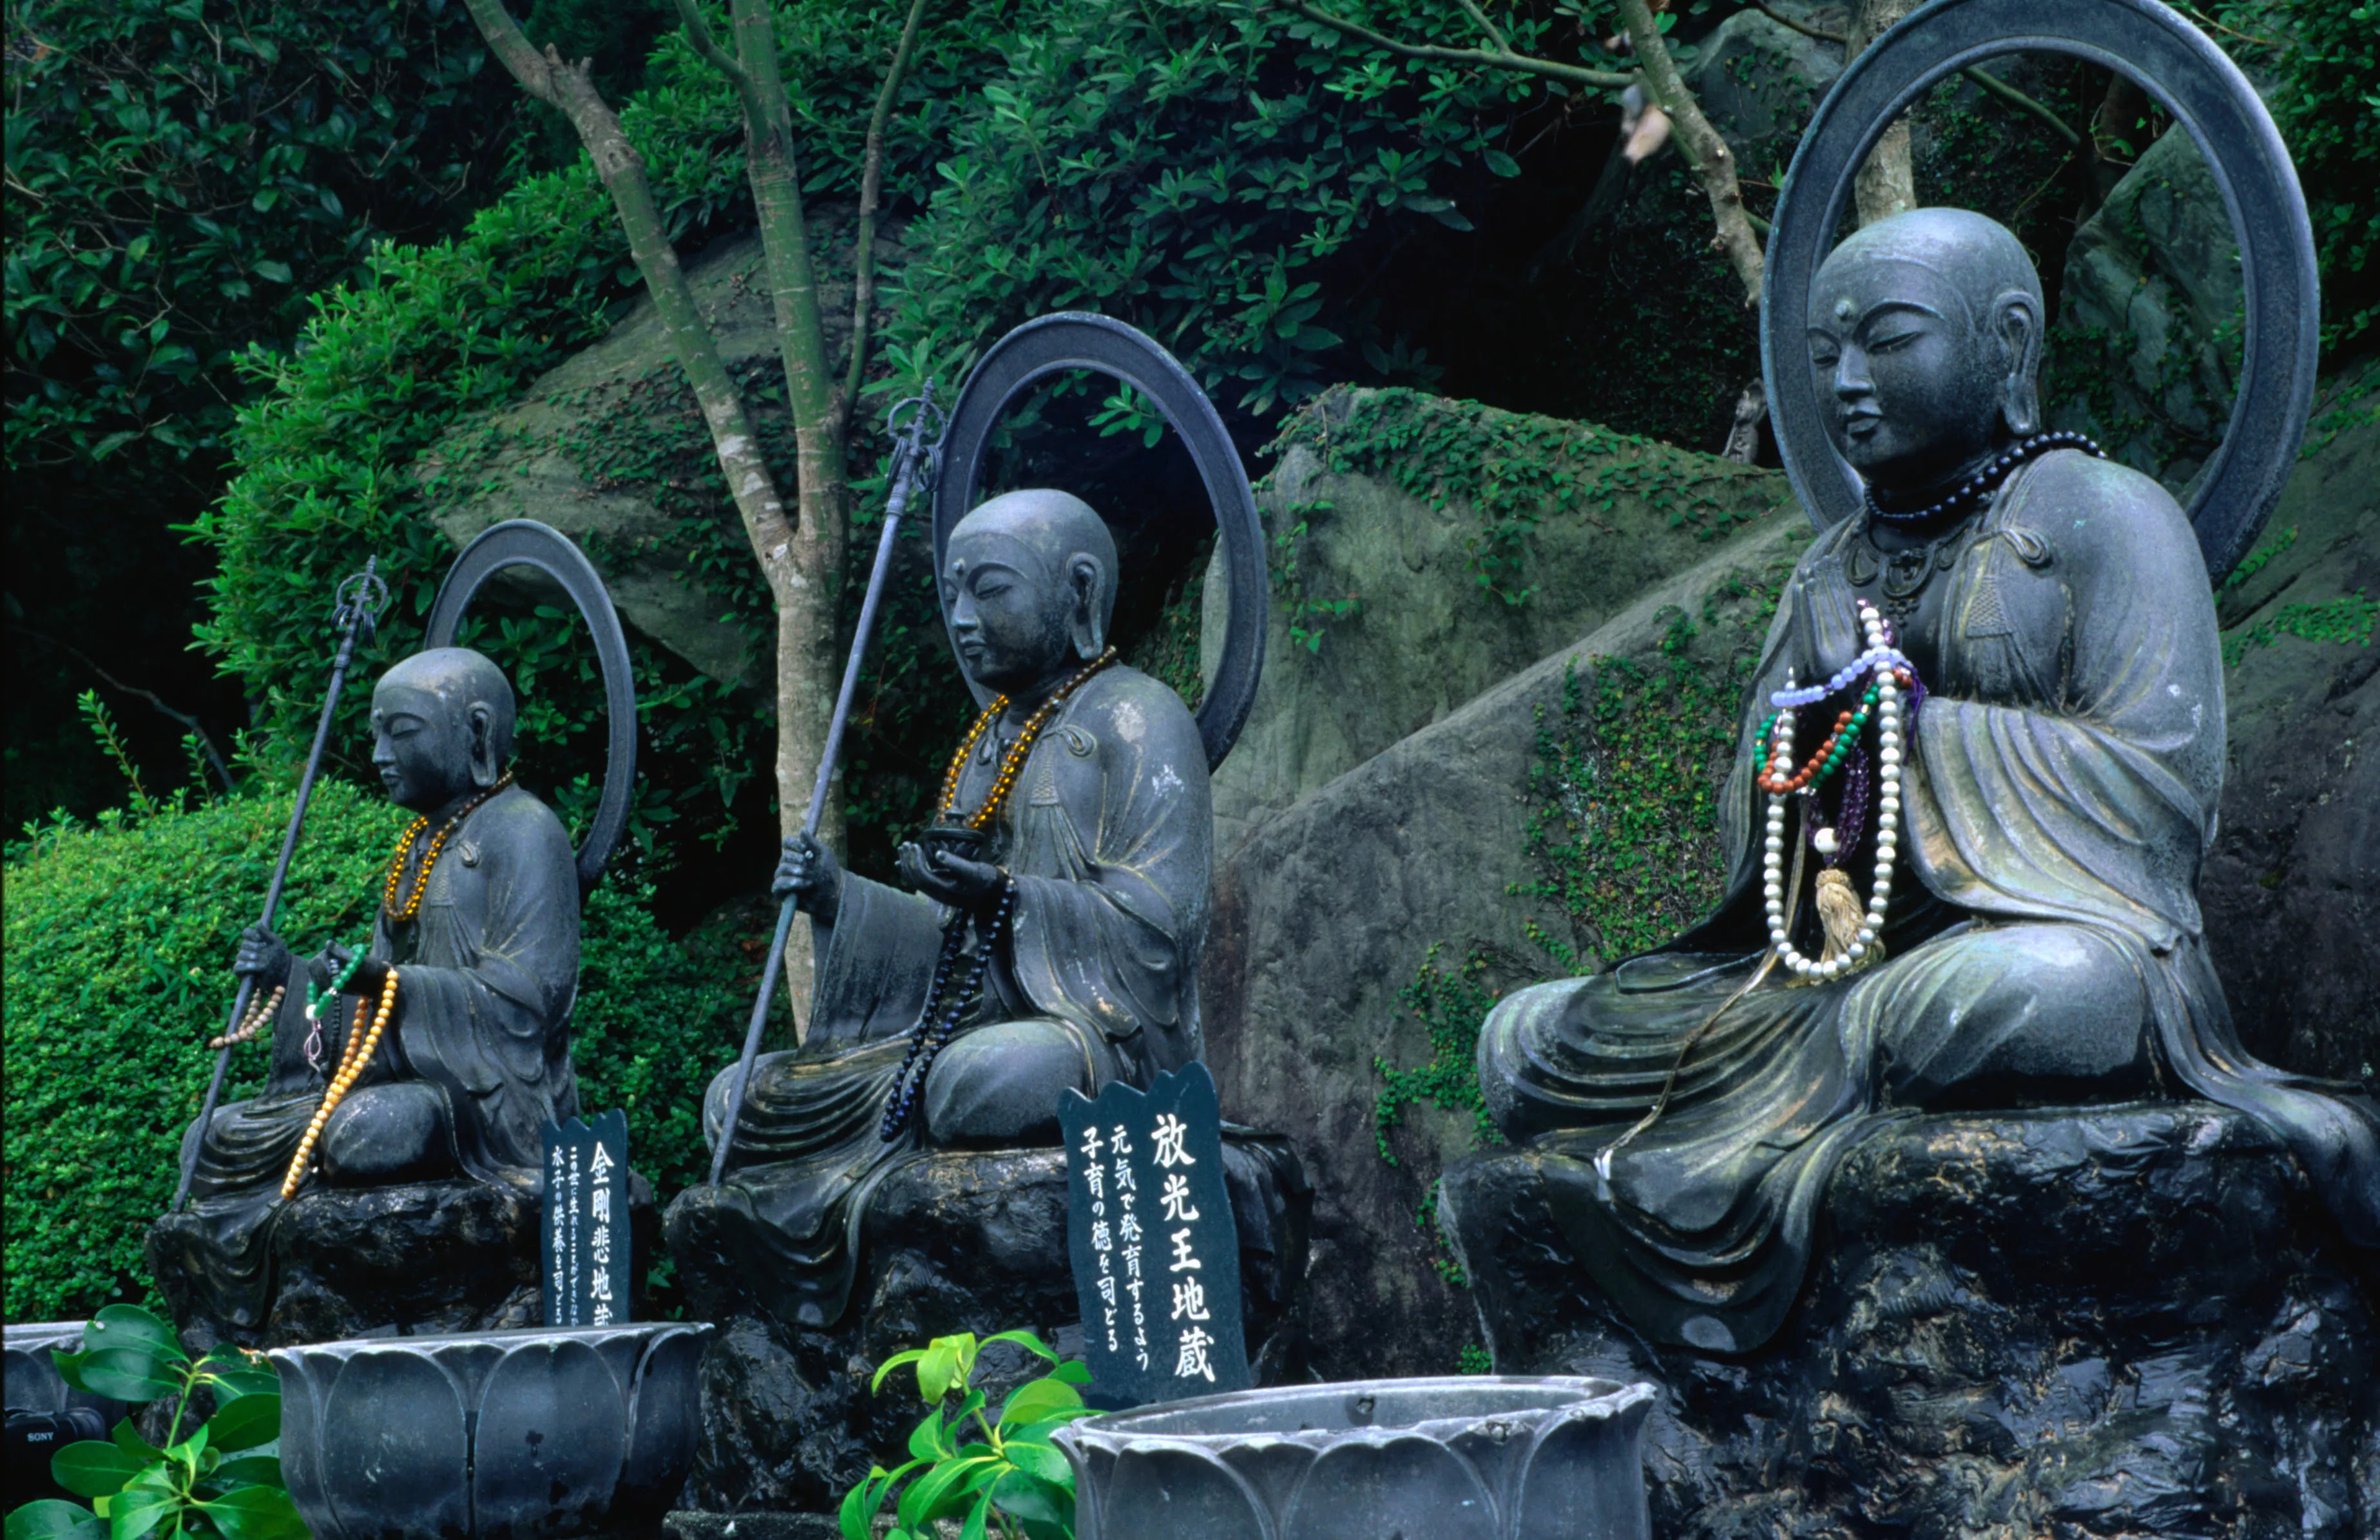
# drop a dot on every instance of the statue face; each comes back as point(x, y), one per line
point(1911, 385)
point(1008, 614)
point(422, 751)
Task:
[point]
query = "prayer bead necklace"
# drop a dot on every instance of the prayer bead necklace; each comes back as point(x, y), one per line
point(1011, 764)
point(317, 997)
point(1851, 935)
point(254, 1022)
point(940, 1016)
point(429, 857)
point(1986, 482)
point(353, 1057)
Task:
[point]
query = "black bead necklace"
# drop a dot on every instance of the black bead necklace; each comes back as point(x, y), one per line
point(1985, 481)
point(940, 1016)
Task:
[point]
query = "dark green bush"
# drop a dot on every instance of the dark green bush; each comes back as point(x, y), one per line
point(119, 938)
point(2328, 107)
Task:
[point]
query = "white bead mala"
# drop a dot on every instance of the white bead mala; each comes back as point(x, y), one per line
point(1864, 948)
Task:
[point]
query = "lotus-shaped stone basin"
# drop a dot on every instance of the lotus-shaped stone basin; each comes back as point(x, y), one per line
point(1474, 1457)
point(500, 1435)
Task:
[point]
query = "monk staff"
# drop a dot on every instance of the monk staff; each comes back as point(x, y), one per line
point(914, 458)
point(360, 599)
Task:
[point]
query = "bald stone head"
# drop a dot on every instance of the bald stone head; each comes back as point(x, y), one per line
point(1924, 333)
point(441, 727)
point(1028, 583)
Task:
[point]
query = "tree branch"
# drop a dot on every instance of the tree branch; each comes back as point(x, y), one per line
point(197, 729)
point(1705, 151)
point(1989, 82)
point(1570, 74)
point(863, 252)
point(698, 33)
point(1495, 37)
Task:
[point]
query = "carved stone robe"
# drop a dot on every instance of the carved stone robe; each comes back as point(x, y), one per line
point(1109, 835)
point(2045, 945)
point(488, 970)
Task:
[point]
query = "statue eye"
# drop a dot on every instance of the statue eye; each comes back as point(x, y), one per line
point(1890, 341)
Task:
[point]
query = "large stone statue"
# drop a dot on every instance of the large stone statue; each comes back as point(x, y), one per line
point(479, 916)
point(1051, 939)
point(1983, 753)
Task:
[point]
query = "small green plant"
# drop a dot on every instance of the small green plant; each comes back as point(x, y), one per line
point(1002, 1474)
point(223, 1480)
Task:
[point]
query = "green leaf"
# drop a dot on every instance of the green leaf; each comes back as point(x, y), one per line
point(131, 1373)
point(244, 1379)
point(90, 1469)
point(1024, 1340)
point(1028, 1497)
point(938, 1368)
point(256, 1513)
point(148, 1502)
point(1073, 1372)
point(52, 1520)
point(977, 1518)
point(931, 1438)
point(1501, 164)
point(911, 1356)
point(263, 1469)
point(277, 272)
point(1043, 1460)
point(931, 1494)
point(245, 1423)
point(126, 1437)
point(1036, 1398)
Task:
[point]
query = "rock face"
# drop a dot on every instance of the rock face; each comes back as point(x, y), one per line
point(1326, 910)
point(951, 1241)
point(440, 1258)
point(2132, 1321)
point(2292, 890)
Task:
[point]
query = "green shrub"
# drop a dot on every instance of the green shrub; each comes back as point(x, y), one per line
point(119, 946)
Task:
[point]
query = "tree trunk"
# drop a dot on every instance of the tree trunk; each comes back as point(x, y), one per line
point(1887, 184)
point(1703, 146)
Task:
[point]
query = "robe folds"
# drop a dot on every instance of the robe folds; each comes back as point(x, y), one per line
point(1108, 837)
point(487, 975)
point(2044, 946)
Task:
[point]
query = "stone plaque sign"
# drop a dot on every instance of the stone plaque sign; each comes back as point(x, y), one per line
point(586, 1221)
point(1156, 1253)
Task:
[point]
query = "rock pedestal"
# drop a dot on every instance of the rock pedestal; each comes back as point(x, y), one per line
point(445, 1256)
point(953, 1240)
point(2117, 1321)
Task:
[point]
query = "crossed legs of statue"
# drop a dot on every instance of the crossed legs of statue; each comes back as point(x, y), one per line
point(386, 1134)
point(998, 1086)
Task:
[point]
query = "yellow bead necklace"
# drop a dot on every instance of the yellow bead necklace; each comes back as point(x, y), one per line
point(429, 857)
point(1011, 764)
point(353, 1057)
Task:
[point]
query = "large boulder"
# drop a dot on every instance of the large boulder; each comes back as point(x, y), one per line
point(2129, 1321)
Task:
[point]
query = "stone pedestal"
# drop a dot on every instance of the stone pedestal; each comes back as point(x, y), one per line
point(444, 1256)
point(2116, 1321)
point(954, 1241)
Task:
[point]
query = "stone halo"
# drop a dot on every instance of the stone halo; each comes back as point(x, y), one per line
point(2204, 92)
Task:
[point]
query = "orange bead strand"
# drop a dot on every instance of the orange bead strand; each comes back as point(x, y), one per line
point(412, 905)
point(353, 1057)
point(1011, 764)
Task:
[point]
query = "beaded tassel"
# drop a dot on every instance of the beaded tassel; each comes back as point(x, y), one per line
point(353, 1057)
point(940, 1017)
point(253, 1023)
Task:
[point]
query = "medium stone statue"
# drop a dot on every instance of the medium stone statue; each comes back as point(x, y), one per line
point(1983, 750)
point(1051, 939)
point(456, 1068)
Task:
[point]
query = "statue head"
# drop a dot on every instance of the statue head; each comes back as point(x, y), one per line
point(1028, 582)
point(441, 727)
point(1924, 333)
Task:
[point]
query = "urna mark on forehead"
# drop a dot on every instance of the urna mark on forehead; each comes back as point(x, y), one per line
point(443, 680)
point(1928, 257)
point(1035, 531)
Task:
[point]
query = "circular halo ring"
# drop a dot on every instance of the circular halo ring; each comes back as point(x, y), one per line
point(2205, 93)
point(524, 542)
point(1073, 339)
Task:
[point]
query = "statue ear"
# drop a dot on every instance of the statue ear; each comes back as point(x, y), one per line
point(2017, 319)
point(484, 751)
point(1086, 614)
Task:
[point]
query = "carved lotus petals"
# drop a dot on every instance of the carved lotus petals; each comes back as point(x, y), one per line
point(549, 1433)
point(1470, 1458)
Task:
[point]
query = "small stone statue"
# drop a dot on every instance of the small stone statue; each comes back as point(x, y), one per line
point(1051, 939)
point(456, 1069)
point(1994, 702)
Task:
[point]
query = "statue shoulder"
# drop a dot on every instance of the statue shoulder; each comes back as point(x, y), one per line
point(1130, 710)
point(522, 828)
point(2107, 517)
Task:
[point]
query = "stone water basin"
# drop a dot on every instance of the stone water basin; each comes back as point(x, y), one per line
point(1470, 1458)
point(491, 1436)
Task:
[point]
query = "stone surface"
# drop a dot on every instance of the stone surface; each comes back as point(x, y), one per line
point(1462, 1459)
point(2128, 1322)
point(952, 1241)
point(2291, 889)
point(391, 1261)
point(2144, 355)
point(697, 1524)
point(586, 1431)
point(1323, 916)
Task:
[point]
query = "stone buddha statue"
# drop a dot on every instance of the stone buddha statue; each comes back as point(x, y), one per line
point(1047, 939)
point(455, 1069)
point(1983, 754)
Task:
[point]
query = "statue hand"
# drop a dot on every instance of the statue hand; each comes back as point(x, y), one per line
point(367, 978)
point(262, 957)
point(810, 875)
point(951, 880)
